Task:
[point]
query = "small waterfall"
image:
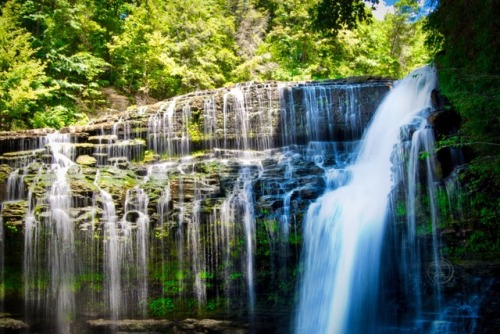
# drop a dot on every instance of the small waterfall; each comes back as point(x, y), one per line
point(248, 113)
point(319, 112)
point(344, 229)
point(112, 284)
point(288, 116)
point(15, 185)
point(422, 147)
point(197, 252)
point(186, 128)
point(136, 211)
point(61, 238)
point(352, 112)
point(239, 208)
point(210, 123)
point(161, 130)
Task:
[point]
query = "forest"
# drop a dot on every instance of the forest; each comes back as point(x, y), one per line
point(58, 55)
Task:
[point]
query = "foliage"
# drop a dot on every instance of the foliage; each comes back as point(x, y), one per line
point(161, 307)
point(22, 78)
point(66, 51)
point(332, 16)
point(187, 45)
point(468, 69)
point(393, 47)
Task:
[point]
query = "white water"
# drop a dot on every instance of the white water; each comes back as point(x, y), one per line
point(61, 243)
point(225, 241)
point(238, 208)
point(161, 131)
point(344, 229)
point(112, 283)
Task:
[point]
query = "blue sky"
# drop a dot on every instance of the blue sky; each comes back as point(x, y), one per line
point(385, 6)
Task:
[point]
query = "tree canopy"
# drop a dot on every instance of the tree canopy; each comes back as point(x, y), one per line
point(58, 55)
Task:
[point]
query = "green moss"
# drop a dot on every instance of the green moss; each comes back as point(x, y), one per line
point(92, 281)
point(400, 209)
point(235, 276)
point(12, 284)
point(5, 171)
point(295, 239)
point(149, 156)
point(172, 287)
point(205, 275)
point(272, 226)
point(161, 307)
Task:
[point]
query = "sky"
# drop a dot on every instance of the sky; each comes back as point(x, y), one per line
point(383, 8)
point(387, 6)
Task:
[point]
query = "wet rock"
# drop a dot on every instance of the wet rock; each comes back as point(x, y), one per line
point(120, 162)
point(180, 327)
point(209, 326)
point(306, 168)
point(12, 324)
point(86, 160)
point(103, 139)
point(131, 325)
point(13, 213)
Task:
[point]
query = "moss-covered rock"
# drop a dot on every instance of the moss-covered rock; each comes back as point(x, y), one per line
point(86, 160)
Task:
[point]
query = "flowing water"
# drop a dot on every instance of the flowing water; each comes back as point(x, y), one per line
point(165, 225)
point(344, 229)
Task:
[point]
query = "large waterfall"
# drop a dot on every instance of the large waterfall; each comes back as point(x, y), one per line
point(270, 207)
point(344, 229)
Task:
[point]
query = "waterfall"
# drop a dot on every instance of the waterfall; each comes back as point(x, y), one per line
point(61, 239)
point(221, 203)
point(210, 122)
point(161, 129)
point(343, 232)
point(111, 252)
point(422, 142)
point(238, 208)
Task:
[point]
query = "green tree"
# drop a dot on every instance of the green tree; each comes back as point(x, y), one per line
point(186, 45)
point(393, 47)
point(23, 82)
point(70, 41)
point(331, 16)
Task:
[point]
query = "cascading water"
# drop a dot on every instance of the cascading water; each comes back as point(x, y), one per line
point(343, 232)
point(61, 241)
point(160, 234)
point(239, 208)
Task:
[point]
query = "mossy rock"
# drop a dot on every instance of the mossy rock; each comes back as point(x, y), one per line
point(12, 324)
point(86, 160)
point(13, 214)
point(5, 171)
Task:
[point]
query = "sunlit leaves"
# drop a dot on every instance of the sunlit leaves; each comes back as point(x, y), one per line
point(22, 76)
point(184, 46)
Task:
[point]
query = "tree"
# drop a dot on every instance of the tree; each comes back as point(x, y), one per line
point(23, 82)
point(331, 16)
point(393, 47)
point(186, 45)
point(71, 43)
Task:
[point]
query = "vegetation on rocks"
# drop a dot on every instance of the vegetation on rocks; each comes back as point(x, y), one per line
point(469, 76)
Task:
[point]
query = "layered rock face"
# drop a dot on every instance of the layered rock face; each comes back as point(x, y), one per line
point(188, 207)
